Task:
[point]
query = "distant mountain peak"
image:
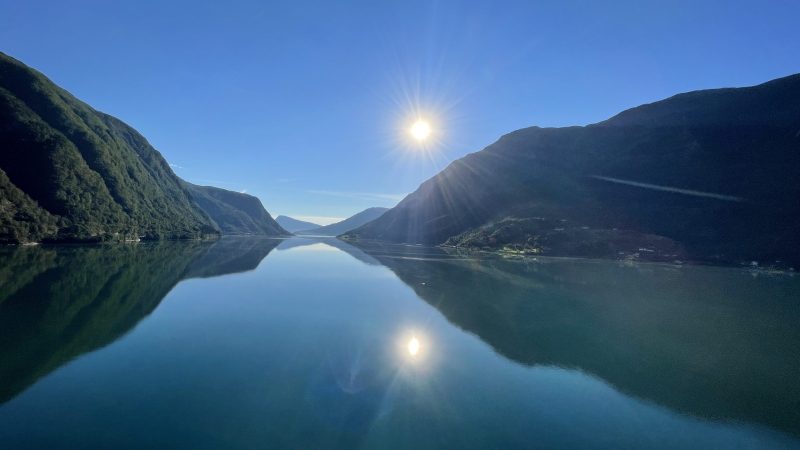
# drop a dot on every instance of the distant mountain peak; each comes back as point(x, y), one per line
point(349, 224)
point(294, 225)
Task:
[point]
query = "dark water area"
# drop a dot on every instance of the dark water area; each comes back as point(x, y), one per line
point(316, 343)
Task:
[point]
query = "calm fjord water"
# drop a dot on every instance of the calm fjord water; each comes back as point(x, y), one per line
point(303, 343)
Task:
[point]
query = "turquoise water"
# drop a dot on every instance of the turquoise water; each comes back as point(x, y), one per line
point(305, 343)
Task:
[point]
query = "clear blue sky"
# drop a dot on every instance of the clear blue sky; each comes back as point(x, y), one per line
point(304, 103)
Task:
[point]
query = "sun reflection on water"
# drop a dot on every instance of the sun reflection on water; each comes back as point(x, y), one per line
point(413, 347)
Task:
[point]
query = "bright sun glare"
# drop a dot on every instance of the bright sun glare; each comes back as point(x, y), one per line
point(413, 346)
point(420, 130)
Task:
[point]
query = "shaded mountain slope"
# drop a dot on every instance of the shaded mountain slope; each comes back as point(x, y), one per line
point(21, 218)
point(349, 224)
point(713, 174)
point(234, 212)
point(98, 176)
point(293, 225)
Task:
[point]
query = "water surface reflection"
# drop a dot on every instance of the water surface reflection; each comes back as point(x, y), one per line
point(323, 344)
point(59, 302)
point(718, 343)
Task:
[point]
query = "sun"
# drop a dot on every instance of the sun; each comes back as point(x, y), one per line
point(420, 130)
point(413, 346)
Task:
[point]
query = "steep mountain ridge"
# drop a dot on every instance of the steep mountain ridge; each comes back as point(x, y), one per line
point(711, 174)
point(71, 173)
point(235, 212)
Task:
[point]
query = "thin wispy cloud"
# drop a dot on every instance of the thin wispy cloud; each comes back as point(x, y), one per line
point(176, 166)
point(360, 195)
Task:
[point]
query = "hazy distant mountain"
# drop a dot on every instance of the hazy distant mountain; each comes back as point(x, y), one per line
point(235, 212)
point(294, 225)
point(708, 175)
point(71, 173)
point(349, 224)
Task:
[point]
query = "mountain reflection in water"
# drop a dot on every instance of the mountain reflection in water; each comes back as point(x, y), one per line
point(59, 302)
point(718, 343)
point(339, 347)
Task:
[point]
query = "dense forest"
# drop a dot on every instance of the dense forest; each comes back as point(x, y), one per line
point(71, 173)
